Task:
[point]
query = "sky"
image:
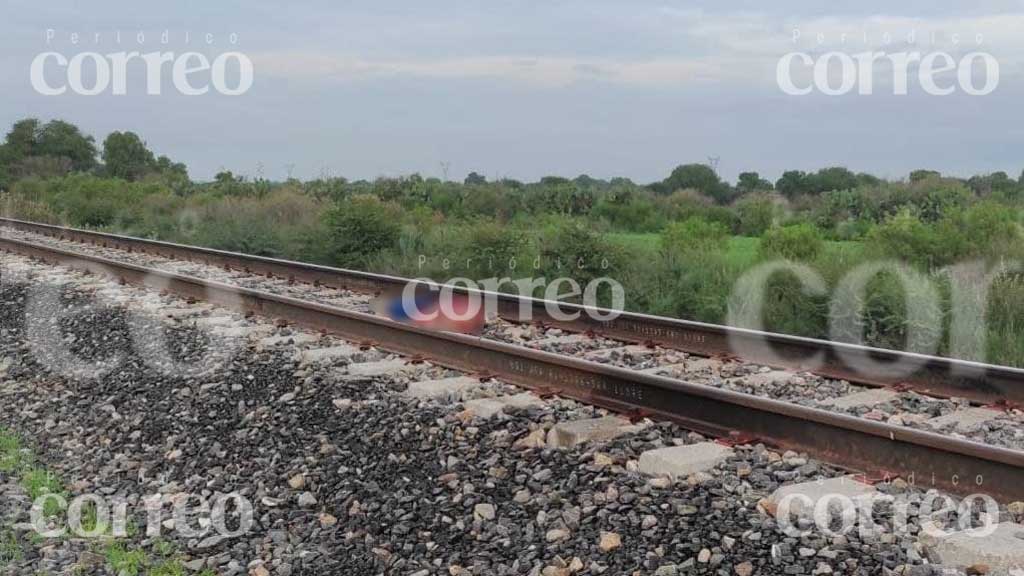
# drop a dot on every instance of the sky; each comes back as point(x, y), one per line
point(524, 89)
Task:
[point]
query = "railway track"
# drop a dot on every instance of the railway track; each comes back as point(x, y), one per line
point(983, 384)
point(876, 449)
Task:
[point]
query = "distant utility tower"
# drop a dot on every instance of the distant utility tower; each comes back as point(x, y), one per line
point(445, 165)
point(713, 162)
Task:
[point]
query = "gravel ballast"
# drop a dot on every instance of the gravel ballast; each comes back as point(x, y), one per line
point(348, 476)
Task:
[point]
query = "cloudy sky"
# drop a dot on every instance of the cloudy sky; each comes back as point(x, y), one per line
point(524, 88)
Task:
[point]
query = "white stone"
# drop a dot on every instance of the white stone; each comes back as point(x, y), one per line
point(318, 355)
point(803, 497)
point(215, 321)
point(964, 420)
point(296, 339)
point(866, 398)
point(670, 370)
point(557, 340)
point(484, 512)
point(239, 331)
point(489, 407)
point(381, 368)
point(569, 434)
point(703, 365)
point(632, 350)
point(682, 461)
point(1002, 551)
point(769, 378)
point(445, 390)
point(534, 439)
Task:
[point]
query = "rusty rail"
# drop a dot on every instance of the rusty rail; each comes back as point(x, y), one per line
point(877, 449)
point(939, 376)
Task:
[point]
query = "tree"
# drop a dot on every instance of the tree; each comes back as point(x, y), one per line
point(474, 178)
point(21, 140)
point(126, 156)
point(984, 185)
point(833, 178)
point(60, 139)
point(750, 181)
point(865, 179)
point(696, 176)
point(792, 183)
point(45, 150)
point(164, 165)
point(918, 175)
point(795, 183)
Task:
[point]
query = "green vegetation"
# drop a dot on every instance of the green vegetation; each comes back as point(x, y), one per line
point(794, 242)
point(19, 463)
point(678, 246)
point(129, 561)
point(10, 551)
point(124, 560)
point(39, 482)
point(694, 235)
point(13, 458)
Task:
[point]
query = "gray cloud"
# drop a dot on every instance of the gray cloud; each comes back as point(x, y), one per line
point(527, 88)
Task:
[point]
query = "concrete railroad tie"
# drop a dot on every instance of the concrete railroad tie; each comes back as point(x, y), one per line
point(682, 461)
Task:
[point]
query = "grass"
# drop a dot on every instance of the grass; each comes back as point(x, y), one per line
point(13, 458)
point(742, 252)
point(123, 560)
point(17, 461)
point(163, 548)
point(129, 561)
point(135, 561)
point(39, 482)
point(10, 551)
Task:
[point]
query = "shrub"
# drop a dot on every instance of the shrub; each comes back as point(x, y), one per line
point(691, 285)
point(882, 319)
point(493, 247)
point(905, 237)
point(987, 229)
point(571, 249)
point(756, 213)
point(90, 202)
point(788, 309)
point(15, 206)
point(851, 230)
point(685, 204)
point(360, 228)
point(694, 235)
point(1005, 325)
point(633, 212)
point(795, 242)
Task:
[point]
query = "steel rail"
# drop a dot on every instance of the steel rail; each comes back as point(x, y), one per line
point(938, 376)
point(877, 449)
